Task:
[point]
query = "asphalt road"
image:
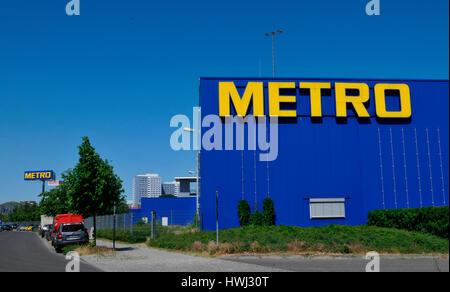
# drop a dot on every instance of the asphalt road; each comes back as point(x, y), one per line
point(27, 252)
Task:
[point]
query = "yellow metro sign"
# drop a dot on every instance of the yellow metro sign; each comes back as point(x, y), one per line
point(39, 175)
point(254, 92)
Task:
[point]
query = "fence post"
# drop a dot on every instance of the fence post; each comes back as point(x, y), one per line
point(217, 218)
point(153, 225)
point(131, 224)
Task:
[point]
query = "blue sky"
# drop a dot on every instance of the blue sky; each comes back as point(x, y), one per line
point(118, 72)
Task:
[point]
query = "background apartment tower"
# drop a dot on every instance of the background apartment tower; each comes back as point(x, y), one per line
point(171, 188)
point(146, 186)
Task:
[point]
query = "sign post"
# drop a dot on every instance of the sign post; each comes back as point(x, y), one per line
point(41, 175)
point(114, 228)
point(217, 218)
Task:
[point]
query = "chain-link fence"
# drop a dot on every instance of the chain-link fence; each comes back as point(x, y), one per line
point(127, 221)
point(134, 228)
point(123, 222)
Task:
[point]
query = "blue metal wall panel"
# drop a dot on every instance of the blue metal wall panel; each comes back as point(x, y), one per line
point(180, 211)
point(374, 164)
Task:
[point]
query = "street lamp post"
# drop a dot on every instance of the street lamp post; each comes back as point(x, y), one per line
point(197, 179)
point(272, 34)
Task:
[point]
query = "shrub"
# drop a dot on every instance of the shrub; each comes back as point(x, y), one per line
point(268, 212)
point(244, 213)
point(140, 223)
point(255, 247)
point(225, 248)
point(257, 218)
point(197, 246)
point(296, 246)
point(433, 220)
point(212, 247)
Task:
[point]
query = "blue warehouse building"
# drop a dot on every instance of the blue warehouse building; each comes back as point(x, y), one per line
point(335, 166)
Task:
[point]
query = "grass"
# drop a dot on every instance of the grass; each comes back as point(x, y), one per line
point(333, 239)
point(142, 232)
point(69, 248)
point(87, 249)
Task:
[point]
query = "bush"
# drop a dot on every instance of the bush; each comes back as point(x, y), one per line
point(140, 223)
point(268, 212)
point(257, 219)
point(244, 213)
point(433, 220)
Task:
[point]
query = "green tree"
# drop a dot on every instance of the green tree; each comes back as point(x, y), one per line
point(92, 185)
point(24, 212)
point(244, 213)
point(257, 218)
point(268, 212)
point(55, 201)
point(122, 207)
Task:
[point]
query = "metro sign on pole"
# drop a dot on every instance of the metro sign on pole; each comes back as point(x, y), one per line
point(44, 175)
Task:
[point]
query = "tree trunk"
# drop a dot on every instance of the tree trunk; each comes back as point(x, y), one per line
point(94, 234)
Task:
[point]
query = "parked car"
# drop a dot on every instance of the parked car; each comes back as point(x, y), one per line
point(48, 231)
point(68, 229)
point(43, 230)
point(21, 228)
point(6, 228)
point(70, 233)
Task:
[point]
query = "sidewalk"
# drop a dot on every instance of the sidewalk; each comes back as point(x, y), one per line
point(138, 258)
point(135, 258)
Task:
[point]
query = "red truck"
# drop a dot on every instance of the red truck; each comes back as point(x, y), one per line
point(68, 229)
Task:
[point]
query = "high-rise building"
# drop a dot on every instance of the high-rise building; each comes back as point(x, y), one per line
point(171, 188)
point(146, 186)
